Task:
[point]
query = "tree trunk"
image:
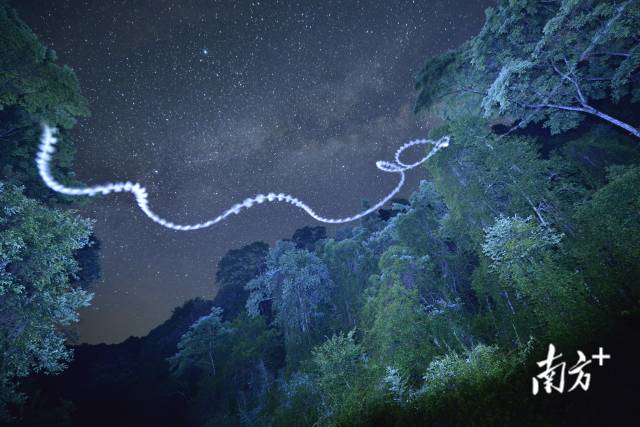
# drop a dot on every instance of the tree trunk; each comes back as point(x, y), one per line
point(506, 295)
point(634, 131)
point(590, 110)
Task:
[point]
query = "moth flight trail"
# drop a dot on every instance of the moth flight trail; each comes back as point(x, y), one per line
point(47, 149)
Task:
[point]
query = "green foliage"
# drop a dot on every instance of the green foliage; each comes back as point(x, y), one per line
point(447, 77)
point(468, 382)
point(37, 265)
point(227, 368)
point(350, 264)
point(307, 237)
point(388, 339)
point(297, 401)
point(47, 257)
point(515, 243)
point(522, 253)
point(588, 157)
point(608, 250)
point(338, 362)
point(31, 80)
point(483, 175)
point(33, 89)
point(445, 294)
point(236, 268)
point(421, 283)
point(198, 346)
point(251, 340)
point(481, 363)
point(417, 227)
point(542, 62)
point(298, 286)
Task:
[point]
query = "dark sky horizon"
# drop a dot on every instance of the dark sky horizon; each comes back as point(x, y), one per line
point(209, 102)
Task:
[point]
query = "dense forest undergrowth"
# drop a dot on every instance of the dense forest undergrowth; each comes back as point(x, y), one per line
point(524, 233)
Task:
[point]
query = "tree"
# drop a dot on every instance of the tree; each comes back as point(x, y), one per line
point(30, 79)
point(414, 307)
point(338, 363)
point(47, 260)
point(513, 243)
point(298, 285)
point(522, 252)
point(397, 329)
point(484, 175)
point(197, 347)
point(306, 237)
point(449, 87)
point(608, 248)
point(37, 298)
point(236, 268)
point(241, 358)
point(588, 52)
point(417, 227)
point(350, 264)
point(549, 62)
point(90, 269)
point(33, 89)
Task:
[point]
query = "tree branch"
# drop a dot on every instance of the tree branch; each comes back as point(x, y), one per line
point(607, 53)
point(557, 106)
point(596, 38)
point(590, 110)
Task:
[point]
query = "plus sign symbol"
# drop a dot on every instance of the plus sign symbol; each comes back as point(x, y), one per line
point(600, 357)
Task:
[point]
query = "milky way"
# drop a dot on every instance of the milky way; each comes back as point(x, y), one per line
point(208, 101)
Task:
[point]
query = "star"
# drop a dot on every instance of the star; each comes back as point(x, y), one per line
point(264, 110)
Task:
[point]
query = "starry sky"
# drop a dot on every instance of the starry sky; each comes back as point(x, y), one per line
point(207, 102)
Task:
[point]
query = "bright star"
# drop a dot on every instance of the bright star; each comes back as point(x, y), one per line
point(205, 51)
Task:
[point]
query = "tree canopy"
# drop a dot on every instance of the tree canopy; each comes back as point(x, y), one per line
point(37, 297)
point(31, 80)
point(48, 257)
point(544, 62)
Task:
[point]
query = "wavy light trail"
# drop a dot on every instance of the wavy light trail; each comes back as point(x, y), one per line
point(47, 149)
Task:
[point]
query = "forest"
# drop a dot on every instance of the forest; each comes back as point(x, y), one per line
point(524, 232)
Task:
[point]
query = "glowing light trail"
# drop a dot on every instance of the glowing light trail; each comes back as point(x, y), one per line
point(48, 148)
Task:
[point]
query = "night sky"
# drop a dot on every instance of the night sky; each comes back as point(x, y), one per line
point(208, 102)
